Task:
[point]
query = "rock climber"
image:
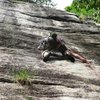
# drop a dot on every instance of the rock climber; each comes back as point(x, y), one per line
point(53, 43)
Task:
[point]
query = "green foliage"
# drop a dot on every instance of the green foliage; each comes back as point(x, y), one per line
point(88, 9)
point(29, 98)
point(44, 2)
point(40, 2)
point(22, 75)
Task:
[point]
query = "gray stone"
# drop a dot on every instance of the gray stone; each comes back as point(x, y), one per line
point(22, 26)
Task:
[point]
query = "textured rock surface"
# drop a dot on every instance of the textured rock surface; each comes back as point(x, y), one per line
point(22, 25)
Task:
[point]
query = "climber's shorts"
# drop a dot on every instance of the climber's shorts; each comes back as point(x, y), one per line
point(62, 49)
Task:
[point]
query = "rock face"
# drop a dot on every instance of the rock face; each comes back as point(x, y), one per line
point(22, 25)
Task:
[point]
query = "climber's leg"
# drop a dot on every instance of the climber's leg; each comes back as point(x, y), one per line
point(46, 55)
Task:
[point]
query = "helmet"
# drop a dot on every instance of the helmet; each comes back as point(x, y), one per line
point(53, 35)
